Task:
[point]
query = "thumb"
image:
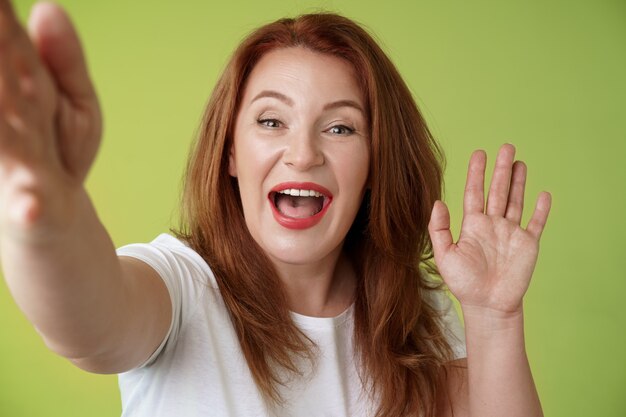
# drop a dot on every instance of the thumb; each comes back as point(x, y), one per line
point(56, 40)
point(439, 229)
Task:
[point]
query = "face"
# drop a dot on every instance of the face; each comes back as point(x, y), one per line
point(300, 154)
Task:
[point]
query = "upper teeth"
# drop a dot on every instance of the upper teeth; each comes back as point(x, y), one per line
point(300, 193)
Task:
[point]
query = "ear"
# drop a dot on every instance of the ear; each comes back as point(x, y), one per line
point(232, 166)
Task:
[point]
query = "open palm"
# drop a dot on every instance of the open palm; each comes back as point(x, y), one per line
point(491, 264)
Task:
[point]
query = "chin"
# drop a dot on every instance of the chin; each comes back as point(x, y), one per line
point(298, 250)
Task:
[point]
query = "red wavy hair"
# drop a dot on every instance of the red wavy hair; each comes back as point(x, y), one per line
point(398, 337)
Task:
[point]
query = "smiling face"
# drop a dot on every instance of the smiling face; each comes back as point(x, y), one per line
point(300, 154)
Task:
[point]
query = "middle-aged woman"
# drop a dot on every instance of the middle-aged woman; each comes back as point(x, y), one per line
point(298, 283)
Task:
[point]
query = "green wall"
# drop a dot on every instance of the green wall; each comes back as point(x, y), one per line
point(547, 76)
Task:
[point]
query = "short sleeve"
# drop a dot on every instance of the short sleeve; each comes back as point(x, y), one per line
point(185, 274)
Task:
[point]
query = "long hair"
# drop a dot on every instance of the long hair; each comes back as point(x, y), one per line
point(399, 340)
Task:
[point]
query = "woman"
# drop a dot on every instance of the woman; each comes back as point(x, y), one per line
point(294, 286)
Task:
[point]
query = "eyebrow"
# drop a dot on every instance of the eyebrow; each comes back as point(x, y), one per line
point(288, 101)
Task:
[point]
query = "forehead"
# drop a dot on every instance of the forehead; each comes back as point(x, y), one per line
point(301, 73)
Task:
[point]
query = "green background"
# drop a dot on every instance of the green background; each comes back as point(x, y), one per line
point(548, 76)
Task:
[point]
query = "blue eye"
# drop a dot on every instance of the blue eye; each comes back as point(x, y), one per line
point(271, 123)
point(341, 130)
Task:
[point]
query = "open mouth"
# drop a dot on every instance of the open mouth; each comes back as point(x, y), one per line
point(299, 205)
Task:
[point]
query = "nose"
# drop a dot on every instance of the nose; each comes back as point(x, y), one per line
point(303, 152)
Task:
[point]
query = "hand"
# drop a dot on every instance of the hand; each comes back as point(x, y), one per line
point(50, 120)
point(490, 266)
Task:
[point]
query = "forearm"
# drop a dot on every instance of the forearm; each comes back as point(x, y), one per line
point(500, 380)
point(68, 284)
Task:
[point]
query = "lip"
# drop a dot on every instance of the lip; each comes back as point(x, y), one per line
point(300, 223)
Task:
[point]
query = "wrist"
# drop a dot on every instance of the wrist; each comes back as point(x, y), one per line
point(485, 319)
point(44, 216)
point(490, 332)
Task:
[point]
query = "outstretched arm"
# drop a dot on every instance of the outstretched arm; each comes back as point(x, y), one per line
point(57, 258)
point(489, 270)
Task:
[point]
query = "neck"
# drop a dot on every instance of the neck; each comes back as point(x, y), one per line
point(322, 289)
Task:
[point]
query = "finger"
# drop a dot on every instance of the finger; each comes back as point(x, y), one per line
point(57, 42)
point(13, 109)
point(14, 146)
point(13, 37)
point(18, 53)
point(439, 229)
point(8, 80)
point(540, 215)
point(515, 204)
point(19, 98)
point(8, 140)
point(474, 198)
point(499, 189)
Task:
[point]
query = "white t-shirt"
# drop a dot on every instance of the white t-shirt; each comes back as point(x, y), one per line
point(200, 370)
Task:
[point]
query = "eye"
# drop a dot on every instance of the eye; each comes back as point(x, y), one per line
point(341, 130)
point(270, 123)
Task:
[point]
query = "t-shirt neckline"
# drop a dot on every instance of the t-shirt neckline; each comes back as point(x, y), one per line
point(322, 322)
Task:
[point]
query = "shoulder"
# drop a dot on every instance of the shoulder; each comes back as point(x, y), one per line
point(171, 257)
point(188, 278)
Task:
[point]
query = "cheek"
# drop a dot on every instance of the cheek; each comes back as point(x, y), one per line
point(354, 167)
point(253, 161)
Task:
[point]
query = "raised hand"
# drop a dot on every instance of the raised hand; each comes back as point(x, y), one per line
point(490, 266)
point(50, 120)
